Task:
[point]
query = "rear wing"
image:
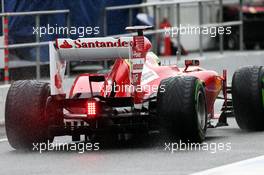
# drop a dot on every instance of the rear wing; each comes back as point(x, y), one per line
point(94, 49)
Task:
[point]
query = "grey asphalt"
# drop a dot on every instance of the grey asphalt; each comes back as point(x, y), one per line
point(147, 156)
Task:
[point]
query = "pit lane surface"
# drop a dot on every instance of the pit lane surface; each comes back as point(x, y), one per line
point(148, 156)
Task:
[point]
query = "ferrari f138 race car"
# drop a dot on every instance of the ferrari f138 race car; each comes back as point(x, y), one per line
point(137, 96)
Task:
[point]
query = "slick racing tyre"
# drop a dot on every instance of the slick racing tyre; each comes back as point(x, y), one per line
point(247, 95)
point(25, 119)
point(182, 108)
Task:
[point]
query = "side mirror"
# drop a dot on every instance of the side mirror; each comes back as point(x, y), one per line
point(191, 63)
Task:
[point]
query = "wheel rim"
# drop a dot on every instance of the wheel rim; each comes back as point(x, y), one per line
point(201, 109)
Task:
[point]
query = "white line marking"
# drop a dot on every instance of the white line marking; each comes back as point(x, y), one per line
point(3, 140)
point(249, 166)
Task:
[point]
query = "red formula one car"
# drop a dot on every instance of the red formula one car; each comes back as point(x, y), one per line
point(137, 96)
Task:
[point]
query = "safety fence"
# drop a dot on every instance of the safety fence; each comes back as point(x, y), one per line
point(37, 44)
point(176, 4)
point(155, 6)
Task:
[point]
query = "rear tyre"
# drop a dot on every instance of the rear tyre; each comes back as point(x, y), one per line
point(25, 116)
point(247, 95)
point(182, 108)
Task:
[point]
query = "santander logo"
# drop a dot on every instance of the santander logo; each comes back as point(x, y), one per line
point(65, 45)
point(95, 44)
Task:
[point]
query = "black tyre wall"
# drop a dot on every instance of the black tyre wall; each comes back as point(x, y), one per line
point(247, 97)
point(177, 108)
point(25, 117)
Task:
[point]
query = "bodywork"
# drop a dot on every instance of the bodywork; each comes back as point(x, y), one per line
point(125, 98)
